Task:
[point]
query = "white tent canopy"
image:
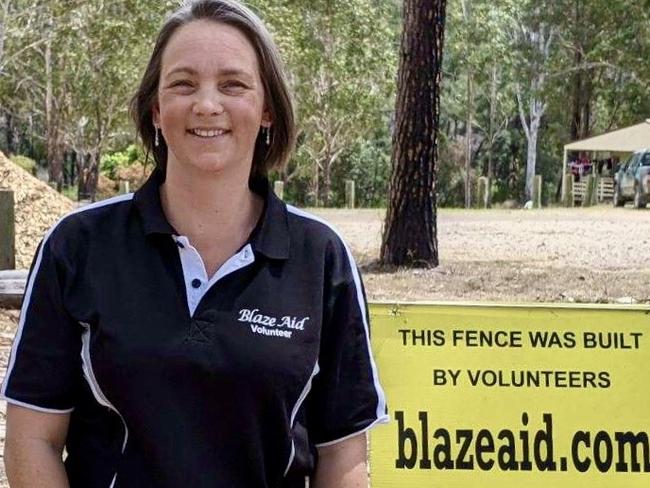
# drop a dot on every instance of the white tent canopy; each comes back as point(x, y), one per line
point(627, 140)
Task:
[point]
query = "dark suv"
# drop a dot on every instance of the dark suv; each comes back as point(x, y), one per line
point(632, 180)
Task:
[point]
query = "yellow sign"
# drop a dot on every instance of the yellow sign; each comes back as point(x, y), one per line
point(512, 396)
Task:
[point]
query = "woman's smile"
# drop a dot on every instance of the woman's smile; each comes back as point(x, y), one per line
point(208, 133)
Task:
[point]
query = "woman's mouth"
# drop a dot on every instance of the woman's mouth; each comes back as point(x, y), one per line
point(207, 133)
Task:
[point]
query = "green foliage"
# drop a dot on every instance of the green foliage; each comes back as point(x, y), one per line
point(367, 163)
point(342, 60)
point(71, 192)
point(28, 164)
point(112, 162)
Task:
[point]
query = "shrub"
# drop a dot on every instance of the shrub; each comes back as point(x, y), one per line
point(111, 163)
point(28, 164)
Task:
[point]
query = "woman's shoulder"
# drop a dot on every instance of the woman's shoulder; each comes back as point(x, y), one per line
point(89, 221)
point(309, 227)
point(320, 241)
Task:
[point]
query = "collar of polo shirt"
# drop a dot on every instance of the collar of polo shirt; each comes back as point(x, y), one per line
point(270, 236)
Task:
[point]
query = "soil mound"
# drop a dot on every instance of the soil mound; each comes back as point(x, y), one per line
point(37, 208)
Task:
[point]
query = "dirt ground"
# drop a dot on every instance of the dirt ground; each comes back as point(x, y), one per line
point(591, 255)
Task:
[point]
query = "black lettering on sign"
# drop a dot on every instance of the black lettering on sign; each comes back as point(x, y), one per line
point(464, 438)
point(405, 436)
point(552, 339)
point(612, 340)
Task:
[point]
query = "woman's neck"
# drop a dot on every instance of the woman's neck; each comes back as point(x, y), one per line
point(209, 208)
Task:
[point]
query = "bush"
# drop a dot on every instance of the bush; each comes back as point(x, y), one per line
point(135, 174)
point(367, 163)
point(28, 164)
point(111, 163)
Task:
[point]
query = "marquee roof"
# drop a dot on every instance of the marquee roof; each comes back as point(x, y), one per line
point(629, 139)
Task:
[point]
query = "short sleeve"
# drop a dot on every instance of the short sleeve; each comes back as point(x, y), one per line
point(346, 397)
point(45, 361)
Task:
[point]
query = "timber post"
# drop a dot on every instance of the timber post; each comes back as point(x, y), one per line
point(594, 193)
point(483, 192)
point(567, 190)
point(7, 230)
point(278, 189)
point(349, 193)
point(537, 191)
point(589, 191)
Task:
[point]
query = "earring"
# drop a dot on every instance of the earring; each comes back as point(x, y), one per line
point(156, 141)
point(268, 135)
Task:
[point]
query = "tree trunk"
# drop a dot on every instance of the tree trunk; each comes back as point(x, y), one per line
point(492, 122)
point(326, 187)
point(88, 174)
point(468, 140)
point(410, 228)
point(9, 127)
point(531, 157)
point(53, 145)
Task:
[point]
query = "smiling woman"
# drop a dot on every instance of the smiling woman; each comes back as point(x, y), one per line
point(210, 104)
point(199, 332)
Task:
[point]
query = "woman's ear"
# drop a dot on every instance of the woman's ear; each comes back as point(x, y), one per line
point(155, 114)
point(267, 118)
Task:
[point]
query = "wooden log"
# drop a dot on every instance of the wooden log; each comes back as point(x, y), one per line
point(349, 193)
point(278, 189)
point(7, 230)
point(12, 288)
point(537, 191)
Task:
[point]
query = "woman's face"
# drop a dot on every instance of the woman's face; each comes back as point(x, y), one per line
point(210, 99)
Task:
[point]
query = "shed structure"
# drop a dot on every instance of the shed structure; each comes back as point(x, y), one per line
point(620, 142)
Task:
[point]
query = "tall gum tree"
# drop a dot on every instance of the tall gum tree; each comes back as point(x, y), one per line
point(410, 236)
point(535, 37)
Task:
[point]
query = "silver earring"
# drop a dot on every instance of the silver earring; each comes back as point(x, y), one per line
point(268, 135)
point(156, 141)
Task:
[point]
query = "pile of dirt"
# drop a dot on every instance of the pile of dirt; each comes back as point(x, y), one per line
point(37, 208)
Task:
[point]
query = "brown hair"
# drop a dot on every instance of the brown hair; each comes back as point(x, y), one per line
point(276, 92)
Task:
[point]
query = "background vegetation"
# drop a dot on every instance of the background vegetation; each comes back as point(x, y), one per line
point(521, 79)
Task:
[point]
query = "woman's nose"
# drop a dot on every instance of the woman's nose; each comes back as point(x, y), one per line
point(208, 103)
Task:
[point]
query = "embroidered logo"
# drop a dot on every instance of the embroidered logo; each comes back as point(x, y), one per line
point(271, 326)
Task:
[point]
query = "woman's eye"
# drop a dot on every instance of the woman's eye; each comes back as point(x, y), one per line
point(234, 84)
point(180, 83)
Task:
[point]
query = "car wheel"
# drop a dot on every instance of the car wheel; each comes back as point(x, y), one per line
point(618, 200)
point(639, 201)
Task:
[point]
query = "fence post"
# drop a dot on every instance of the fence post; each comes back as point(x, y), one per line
point(594, 194)
point(589, 191)
point(483, 192)
point(124, 186)
point(349, 193)
point(278, 188)
point(537, 191)
point(567, 190)
point(7, 230)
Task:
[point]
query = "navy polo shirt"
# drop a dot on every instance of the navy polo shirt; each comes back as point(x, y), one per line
point(174, 378)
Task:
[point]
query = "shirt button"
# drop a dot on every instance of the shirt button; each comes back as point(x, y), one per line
point(196, 283)
point(180, 244)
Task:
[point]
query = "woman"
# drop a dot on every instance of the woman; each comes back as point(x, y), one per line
point(223, 335)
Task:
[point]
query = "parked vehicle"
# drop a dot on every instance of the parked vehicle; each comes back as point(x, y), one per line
point(632, 180)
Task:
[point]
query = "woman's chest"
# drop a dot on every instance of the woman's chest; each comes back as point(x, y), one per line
point(254, 326)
